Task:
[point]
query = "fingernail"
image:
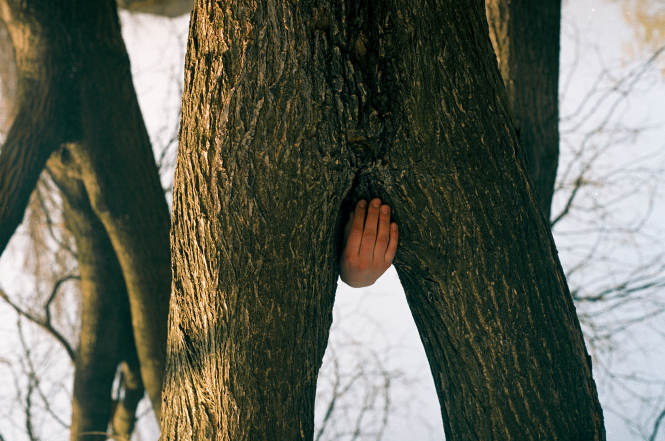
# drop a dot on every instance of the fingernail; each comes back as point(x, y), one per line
point(376, 203)
point(362, 203)
point(394, 226)
point(385, 209)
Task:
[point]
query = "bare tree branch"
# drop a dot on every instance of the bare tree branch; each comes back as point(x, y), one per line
point(656, 426)
point(44, 324)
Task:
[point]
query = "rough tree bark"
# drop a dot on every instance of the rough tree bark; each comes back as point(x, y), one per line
point(291, 112)
point(526, 39)
point(75, 88)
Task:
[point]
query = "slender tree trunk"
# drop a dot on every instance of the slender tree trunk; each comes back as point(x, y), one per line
point(106, 338)
point(75, 87)
point(120, 176)
point(291, 112)
point(526, 39)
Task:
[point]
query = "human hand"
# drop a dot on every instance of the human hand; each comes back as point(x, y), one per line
point(370, 242)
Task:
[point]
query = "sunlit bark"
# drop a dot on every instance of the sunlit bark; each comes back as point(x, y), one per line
point(7, 81)
point(291, 112)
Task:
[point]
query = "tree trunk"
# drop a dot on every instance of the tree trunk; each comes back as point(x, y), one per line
point(45, 86)
point(106, 338)
point(8, 79)
point(254, 288)
point(75, 87)
point(120, 176)
point(526, 39)
point(294, 110)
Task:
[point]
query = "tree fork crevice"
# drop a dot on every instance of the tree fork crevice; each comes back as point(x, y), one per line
point(290, 111)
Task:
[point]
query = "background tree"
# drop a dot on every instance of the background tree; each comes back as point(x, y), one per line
point(75, 96)
point(303, 109)
point(525, 36)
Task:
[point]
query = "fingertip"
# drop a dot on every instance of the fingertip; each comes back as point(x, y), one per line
point(393, 226)
point(376, 202)
point(362, 203)
point(385, 209)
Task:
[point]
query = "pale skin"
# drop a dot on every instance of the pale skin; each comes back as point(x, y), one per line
point(370, 243)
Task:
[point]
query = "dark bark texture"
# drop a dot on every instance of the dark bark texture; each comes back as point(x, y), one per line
point(75, 89)
point(526, 38)
point(292, 111)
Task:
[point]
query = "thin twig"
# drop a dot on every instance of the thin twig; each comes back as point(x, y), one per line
point(41, 323)
point(656, 426)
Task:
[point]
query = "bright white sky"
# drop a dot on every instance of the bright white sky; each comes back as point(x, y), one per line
point(378, 317)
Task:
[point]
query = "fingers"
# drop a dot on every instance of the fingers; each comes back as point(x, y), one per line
point(392, 245)
point(383, 234)
point(356, 225)
point(371, 243)
point(369, 233)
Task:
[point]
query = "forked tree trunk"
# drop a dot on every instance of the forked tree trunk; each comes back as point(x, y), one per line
point(294, 110)
point(75, 87)
point(120, 176)
point(526, 38)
